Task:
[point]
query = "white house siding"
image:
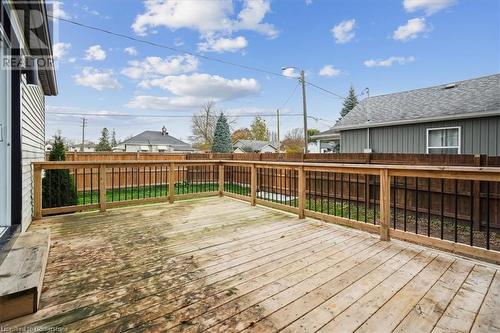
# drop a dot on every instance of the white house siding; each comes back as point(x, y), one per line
point(32, 142)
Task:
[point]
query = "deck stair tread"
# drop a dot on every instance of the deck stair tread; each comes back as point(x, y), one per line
point(21, 274)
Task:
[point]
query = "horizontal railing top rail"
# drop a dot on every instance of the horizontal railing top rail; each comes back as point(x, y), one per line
point(449, 172)
point(450, 207)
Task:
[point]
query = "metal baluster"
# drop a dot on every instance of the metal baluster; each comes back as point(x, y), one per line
point(357, 197)
point(487, 215)
point(328, 194)
point(416, 205)
point(91, 185)
point(394, 208)
point(442, 208)
point(341, 195)
point(471, 214)
point(456, 210)
point(429, 207)
point(349, 195)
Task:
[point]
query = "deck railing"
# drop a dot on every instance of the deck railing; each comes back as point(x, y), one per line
point(452, 208)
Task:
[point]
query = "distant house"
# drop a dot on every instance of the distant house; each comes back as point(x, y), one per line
point(154, 141)
point(87, 147)
point(457, 118)
point(254, 146)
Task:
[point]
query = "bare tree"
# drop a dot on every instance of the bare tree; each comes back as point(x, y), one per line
point(294, 141)
point(203, 126)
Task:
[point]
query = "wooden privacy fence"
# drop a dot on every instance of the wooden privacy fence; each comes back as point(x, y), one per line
point(453, 208)
point(361, 158)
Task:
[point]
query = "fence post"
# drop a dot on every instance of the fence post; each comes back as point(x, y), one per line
point(37, 189)
point(102, 188)
point(302, 192)
point(253, 185)
point(171, 182)
point(221, 179)
point(385, 204)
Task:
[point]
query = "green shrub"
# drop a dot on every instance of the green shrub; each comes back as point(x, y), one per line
point(58, 187)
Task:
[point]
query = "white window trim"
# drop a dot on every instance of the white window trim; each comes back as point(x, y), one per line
point(459, 147)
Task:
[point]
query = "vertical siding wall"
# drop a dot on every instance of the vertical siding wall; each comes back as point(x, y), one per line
point(478, 136)
point(32, 142)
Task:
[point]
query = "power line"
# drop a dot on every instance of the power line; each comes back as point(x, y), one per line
point(291, 95)
point(178, 50)
point(122, 115)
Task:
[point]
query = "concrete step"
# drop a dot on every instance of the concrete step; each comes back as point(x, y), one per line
point(21, 275)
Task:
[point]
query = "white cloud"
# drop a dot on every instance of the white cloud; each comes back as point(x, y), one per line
point(155, 67)
point(329, 70)
point(223, 44)
point(95, 52)
point(207, 86)
point(344, 31)
point(96, 79)
point(411, 29)
point(131, 51)
point(192, 90)
point(164, 102)
point(429, 6)
point(60, 50)
point(58, 11)
point(214, 17)
point(290, 72)
point(388, 62)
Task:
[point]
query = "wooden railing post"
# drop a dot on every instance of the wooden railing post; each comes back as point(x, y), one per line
point(171, 183)
point(102, 188)
point(253, 185)
point(385, 204)
point(302, 193)
point(37, 192)
point(221, 179)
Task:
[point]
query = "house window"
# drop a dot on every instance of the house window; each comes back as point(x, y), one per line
point(444, 140)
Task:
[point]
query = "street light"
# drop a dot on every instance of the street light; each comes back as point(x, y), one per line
point(304, 104)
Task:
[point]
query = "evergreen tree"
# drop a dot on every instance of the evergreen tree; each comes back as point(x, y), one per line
point(114, 143)
point(104, 144)
point(222, 136)
point(259, 129)
point(58, 187)
point(349, 102)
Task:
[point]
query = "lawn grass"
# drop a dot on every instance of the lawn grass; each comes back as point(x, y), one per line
point(153, 191)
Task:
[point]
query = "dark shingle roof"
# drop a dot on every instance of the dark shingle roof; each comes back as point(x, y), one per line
point(157, 138)
point(252, 145)
point(470, 98)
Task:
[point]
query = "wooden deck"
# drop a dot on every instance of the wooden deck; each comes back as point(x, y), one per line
point(221, 265)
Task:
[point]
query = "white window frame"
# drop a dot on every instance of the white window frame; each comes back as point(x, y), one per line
point(459, 147)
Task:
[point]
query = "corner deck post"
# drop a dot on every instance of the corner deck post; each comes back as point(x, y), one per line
point(302, 192)
point(171, 182)
point(221, 179)
point(102, 187)
point(253, 185)
point(37, 184)
point(385, 204)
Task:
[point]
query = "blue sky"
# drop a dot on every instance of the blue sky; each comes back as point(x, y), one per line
point(387, 46)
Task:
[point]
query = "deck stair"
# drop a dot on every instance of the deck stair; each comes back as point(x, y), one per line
point(21, 274)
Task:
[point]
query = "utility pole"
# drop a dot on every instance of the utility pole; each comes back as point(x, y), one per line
point(278, 128)
point(84, 123)
point(304, 106)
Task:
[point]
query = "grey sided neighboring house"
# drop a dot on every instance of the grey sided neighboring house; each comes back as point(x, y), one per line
point(154, 141)
point(457, 118)
point(254, 146)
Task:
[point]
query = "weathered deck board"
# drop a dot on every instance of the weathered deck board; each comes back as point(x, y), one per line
point(220, 265)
